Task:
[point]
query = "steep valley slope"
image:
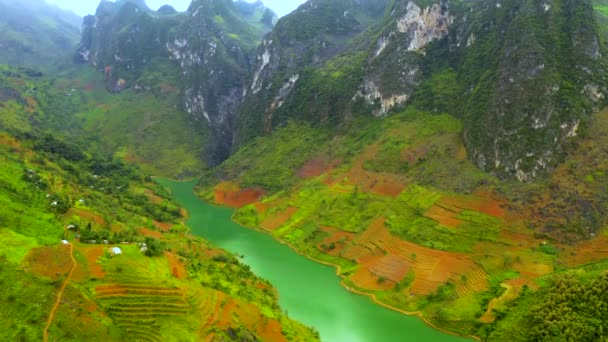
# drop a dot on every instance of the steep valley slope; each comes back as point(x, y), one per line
point(449, 156)
point(200, 57)
point(487, 63)
point(410, 220)
point(94, 250)
point(446, 159)
point(36, 34)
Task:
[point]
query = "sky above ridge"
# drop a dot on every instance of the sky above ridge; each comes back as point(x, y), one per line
point(84, 7)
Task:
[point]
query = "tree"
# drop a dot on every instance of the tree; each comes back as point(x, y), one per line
point(155, 247)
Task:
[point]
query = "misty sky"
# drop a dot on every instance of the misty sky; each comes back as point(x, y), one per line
point(84, 7)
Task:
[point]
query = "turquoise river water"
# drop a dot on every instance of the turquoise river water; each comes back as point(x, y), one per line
point(309, 291)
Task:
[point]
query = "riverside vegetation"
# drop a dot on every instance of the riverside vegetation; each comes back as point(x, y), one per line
point(166, 285)
point(400, 206)
point(411, 221)
point(448, 156)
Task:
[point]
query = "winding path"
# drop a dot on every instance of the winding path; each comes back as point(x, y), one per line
point(60, 295)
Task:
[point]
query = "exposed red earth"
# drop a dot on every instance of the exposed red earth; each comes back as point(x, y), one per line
point(233, 196)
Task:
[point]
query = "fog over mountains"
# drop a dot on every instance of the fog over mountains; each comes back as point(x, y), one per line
point(84, 7)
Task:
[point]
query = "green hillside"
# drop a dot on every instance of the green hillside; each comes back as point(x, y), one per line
point(36, 34)
point(522, 77)
point(448, 157)
point(135, 127)
point(165, 285)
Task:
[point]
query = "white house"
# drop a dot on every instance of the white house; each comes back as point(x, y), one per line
point(115, 251)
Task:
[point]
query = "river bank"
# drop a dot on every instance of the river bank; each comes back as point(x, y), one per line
point(308, 288)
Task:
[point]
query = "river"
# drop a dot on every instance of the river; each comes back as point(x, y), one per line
point(309, 291)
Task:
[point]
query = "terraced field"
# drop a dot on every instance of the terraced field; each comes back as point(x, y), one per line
point(205, 302)
point(475, 282)
point(391, 267)
point(218, 311)
point(383, 257)
point(587, 251)
point(410, 220)
point(137, 308)
point(62, 208)
point(275, 221)
point(384, 183)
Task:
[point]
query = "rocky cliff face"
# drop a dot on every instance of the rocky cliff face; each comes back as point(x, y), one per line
point(531, 72)
point(121, 39)
point(301, 42)
point(527, 73)
point(338, 65)
point(393, 71)
point(205, 52)
point(213, 48)
point(523, 75)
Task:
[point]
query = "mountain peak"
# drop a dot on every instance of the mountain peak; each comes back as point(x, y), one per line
point(166, 10)
point(110, 8)
point(217, 6)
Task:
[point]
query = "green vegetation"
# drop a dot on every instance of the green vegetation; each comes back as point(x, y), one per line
point(188, 71)
point(397, 202)
point(355, 67)
point(36, 34)
point(440, 201)
point(137, 128)
point(571, 306)
point(284, 152)
point(327, 48)
point(601, 11)
point(23, 317)
point(59, 203)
